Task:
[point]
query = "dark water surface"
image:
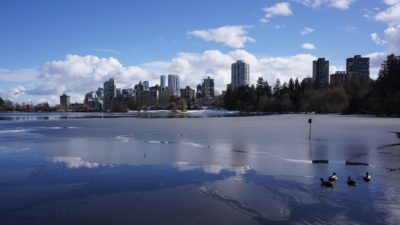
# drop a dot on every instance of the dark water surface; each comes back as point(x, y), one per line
point(222, 170)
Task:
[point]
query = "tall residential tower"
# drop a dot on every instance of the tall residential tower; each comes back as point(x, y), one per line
point(162, 81)
point(321, 72)
point(173, 85)
point(64, 101)
point(110, 92)
point(208, 88)
point(240, 74)
point(357, 68)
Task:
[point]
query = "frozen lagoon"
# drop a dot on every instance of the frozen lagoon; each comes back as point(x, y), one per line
point(218, 170)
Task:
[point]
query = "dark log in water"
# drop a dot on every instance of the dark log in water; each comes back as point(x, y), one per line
point(320, 161)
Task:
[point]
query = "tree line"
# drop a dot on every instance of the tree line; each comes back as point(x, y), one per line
point(380, 97)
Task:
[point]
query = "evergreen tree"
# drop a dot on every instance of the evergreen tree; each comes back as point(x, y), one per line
point(385, 98)
point(1, 103)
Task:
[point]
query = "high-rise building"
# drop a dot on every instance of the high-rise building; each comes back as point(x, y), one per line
point(119, 92)
point(128, 93)
point(199, 91)
point(64, 101)
point(240, 74)
point(187, 93)
point(357, 68)
point(162, 81)
point(208, 88)
point(110, 92)
point(321, 72)
point(338, 78)
point(139, 87)
point(173, 85)
point(146, 85)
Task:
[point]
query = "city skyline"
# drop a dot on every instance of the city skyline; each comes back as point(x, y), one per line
point(274, 37)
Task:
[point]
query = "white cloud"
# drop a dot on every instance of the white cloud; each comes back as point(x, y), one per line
point(375, 38)
point(306, 30)
point(308, 46)
point(334, 69)
point(367, 13)
point(232, 36)
point(392, 36)
point(391, 2)
point(77, 75)
point(339, 4)
point(279, 9)
point(376, 60)
point(310, 3)
point(12, 93)
point(194, 66)
point(392, 14)
point(20, 75)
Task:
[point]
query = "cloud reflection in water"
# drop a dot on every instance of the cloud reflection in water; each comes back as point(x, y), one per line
point(211, 168)
point(75, 162)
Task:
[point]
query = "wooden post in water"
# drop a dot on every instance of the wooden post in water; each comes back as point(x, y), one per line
point(309, 133)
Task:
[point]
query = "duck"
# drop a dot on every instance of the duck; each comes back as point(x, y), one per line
point(367, 177)
point(326, 183)
point(351, 182)
point(333, 177)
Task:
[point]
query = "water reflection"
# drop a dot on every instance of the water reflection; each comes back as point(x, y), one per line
point(211, 168)
point(197, 171)
point(75, 162)
point(7, 150)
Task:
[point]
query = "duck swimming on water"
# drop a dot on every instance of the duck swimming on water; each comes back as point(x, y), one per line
point(333, 177)
point(326, 183)
point(351, 182)
point(367, 177)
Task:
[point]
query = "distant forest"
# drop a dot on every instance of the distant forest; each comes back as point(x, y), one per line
point(379, 97)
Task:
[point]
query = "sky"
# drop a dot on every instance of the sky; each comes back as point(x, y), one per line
point(51, 47)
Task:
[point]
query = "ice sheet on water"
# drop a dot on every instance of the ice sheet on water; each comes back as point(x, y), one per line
point(13, 131)
point(9, 150)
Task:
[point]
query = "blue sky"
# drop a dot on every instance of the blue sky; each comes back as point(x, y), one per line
point(47, 43)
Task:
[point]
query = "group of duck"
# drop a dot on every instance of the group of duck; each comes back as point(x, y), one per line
point(350, 181)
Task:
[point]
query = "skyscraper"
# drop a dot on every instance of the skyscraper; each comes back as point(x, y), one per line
point(199, 91)
point(173, 85)
point(110, 92)
point(321, 72)
point(240, 74)
point(64, 101)
point(208, 88)
point(357, 68)
point(162, 81)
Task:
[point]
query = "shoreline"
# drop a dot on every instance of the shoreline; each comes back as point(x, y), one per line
point(158, 114)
